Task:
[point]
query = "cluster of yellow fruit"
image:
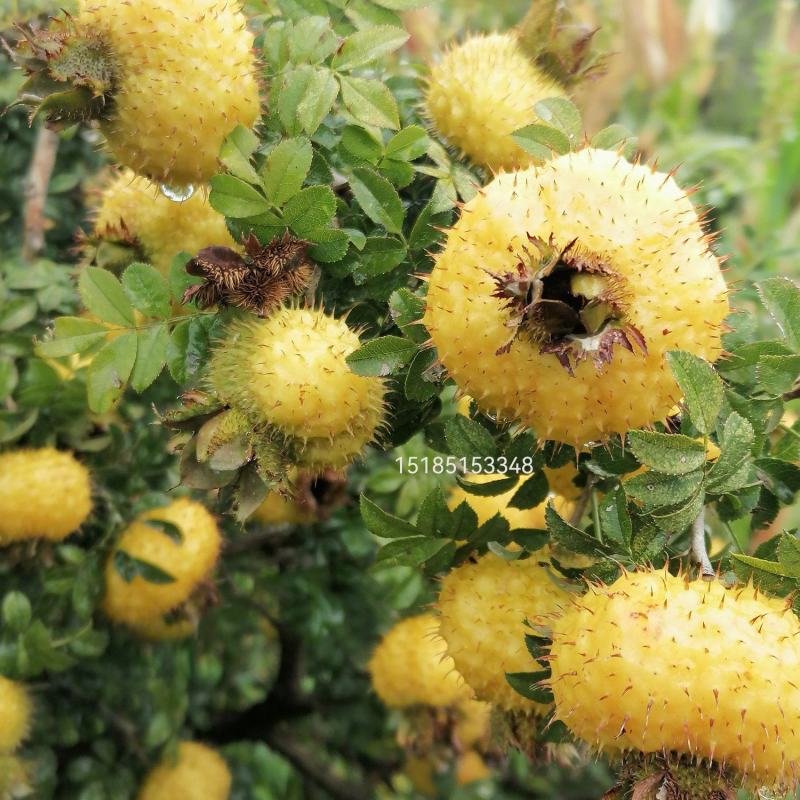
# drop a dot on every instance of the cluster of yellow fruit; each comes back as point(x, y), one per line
point(16, 709)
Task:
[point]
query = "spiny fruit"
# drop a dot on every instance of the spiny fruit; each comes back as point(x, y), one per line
point(198, 771)
point(472, 722)
point(277, 509)
point(410, 667)
point(160, 629)
point(483, 606)
point(15, 714)
point(487, 507)
point(136, 214)
point(561, 289)
point(660, 664)
point(188, 554)
point(44, 494)
point(168, 80)
point(481, 92)
point(13, 778)
point(471, 767)
point(289, 371)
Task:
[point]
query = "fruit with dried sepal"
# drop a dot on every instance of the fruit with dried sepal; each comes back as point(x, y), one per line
point(410, 667)
point(196, 771)
point(660, 664)
point(16, 709)
point(168, 80)
point(181, 540)
point(135, 221)
point(561, 289)
point(483, 90)
point(44, 494)
point(483, 606)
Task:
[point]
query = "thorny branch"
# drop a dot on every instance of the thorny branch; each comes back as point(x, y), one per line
point(36, 183)
point(699, 552)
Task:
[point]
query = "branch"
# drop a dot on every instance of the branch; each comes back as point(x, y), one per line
point(36, 183)
point(699, 552)
point(583, 503)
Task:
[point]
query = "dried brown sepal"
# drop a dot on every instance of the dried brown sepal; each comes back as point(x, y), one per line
point(260, 281)
point(320, 495)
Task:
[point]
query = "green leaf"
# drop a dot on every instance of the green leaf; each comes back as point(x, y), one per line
point(368, 45)
point(496, 529)
point(312, 40)
point(383, 524)
point(319, 96)
point(109, 371)
point(287, 166)
point(8, 377)
point(656, 489)
point(527, 684)
point(16, 611)
point(467, 438)
point(570, 537)
point(407, 309)
point(17, 312)
point(532, 493)
point(674, 454)
point(408, 144)
point(129, 567)
point(310, 209)
point(782, 476)
point(72, 335)
point(762, 565)
point(236, 152)
point(412, 552)
point(612, 137)
point(736, 442)
point(179, 279)
point(378, 198)
point(702, 388)
point(329, 244)
point(151, 355)
point(362, 144)
point(382, 356)
point(147, 290)
point(541, 136)
point(488, 488)
point(103, 296)
point(401, 5)
point(380, 254)
point(789, 554)
point(169, 529)
point(370, 102)
point(777, 374)
point(234, 198)
point(531, 539)
point(615, 521)
point(419, 385)
point(781, 296)
point(188, 348)
point(434, 516)
point(678, 519)
point(563, 115)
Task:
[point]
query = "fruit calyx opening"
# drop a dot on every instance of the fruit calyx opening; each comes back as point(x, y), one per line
point(567, 300)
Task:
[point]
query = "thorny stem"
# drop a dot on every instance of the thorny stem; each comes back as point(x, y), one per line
point(598, 529)
point(699, 552)
point(36, 183)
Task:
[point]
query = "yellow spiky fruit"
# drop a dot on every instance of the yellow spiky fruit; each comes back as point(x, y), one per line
point(487, 507)
point(44, 494)
point(658, 663)
point(15, 714)
point(189, 561)
point(13, 778)
point(132, 207)
point(277, 509)
point(483, 606)
point(410, 667)
point(160, 629)
point(185, 77)
point(198, 771)
point(483, 90)
point(623, 241)
point(290, 372)
point(471, 767)
point(472, 722)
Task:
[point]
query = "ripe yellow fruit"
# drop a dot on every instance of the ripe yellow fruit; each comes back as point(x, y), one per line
point(289, 371)
point(277, 509)
point(657, 663)
point(420, 770)
point(471, 767)
point(185, 77)
point(410, 667)
point(161, 630)
point(13, 777)
point(487, 507)
point(483, 607)
point(44, 494)
point(133, 208)
point(481, 92)
point(472, 722)
point(591, 255)
point(198, 772)
point(15, 714)
point(189, 562)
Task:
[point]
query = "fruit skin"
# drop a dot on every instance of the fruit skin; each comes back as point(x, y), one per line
point(189, 562)
point(487, 507)
point(131, 206)
point(636, 220)
point(198, 772)
point(161, 630)
point(289, 371)
point(482, 607)
point(472, 723)
point(277, 509)
point(656, 663)
point(481, 92)
point(409, 667)
point(44, 494)
point(186, 77)
point(15, 714)
point(13, 777)
point(471, 767)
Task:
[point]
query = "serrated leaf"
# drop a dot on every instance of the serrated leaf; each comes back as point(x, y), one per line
point(647, 544)
point(563, 115)
point(612, 137)
point(570, 537)
point(318, 98)
point(383, 524)
point(762, 565)
point(236, 152)
point(781, 296)
point(370, 102)
point(310, 209)
point(532, 493)
point(382, 356)
point(418, 386)
point(782, 476)
point(527, 684)
point(789, 554)
point(496, 529)
point(312, 40)
point(72, 335)
point(286, 169)
point(736, 441)
point(674, 454)
point(8, 377)
point(407, 309)
point(233, 197)
point(701, 386)
point(434, 517)
point(467, 438)
point(615, 521)
point(368, 45)
point(103, 296)
point(362, 143)
point(378, 198)
point(411, 552)
point(408, 144)
point(151, 355)
point(16, 312)
point(188, 348)
point(777, 374)
point(380, 254)
point(463, 521)
point(656, 489)
point(531, 539)
point(147, 290)
point(542, 136)
point(678, 519)
point(490, 488)
point(109, 371)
